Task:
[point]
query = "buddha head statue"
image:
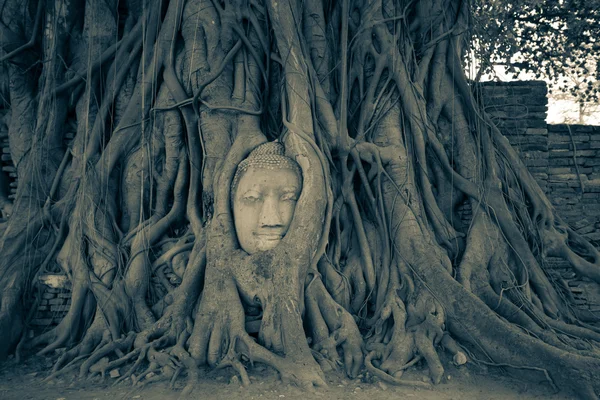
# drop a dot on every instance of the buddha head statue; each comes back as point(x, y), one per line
point(264, 191)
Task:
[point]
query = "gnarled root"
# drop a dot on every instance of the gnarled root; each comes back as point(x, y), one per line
point(402, 335)
point(96, 337)
point(561, 241)
point(332, 327)
point(219, 338)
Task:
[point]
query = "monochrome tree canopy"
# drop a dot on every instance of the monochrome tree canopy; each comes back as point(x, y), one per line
point(127, 121)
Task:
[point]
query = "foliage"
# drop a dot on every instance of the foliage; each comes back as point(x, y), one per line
point(556, 40)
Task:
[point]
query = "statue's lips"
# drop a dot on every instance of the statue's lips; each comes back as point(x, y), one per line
point(268, 236)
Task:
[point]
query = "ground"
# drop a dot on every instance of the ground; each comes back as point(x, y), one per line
point(25, 381)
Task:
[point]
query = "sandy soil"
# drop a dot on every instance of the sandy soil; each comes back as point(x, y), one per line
point(25, 381)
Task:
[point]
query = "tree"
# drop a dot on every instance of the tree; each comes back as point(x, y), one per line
point(165, 98)
point(554, 40)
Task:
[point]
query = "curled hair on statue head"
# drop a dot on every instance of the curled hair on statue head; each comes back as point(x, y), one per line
point(270, 155)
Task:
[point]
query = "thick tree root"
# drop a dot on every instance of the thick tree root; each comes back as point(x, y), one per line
point(333, 327)
point(394, 380)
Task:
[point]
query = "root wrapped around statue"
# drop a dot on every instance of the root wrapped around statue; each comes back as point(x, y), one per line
point(236, 182)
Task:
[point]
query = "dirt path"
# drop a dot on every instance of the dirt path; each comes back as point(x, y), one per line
point(25, 381)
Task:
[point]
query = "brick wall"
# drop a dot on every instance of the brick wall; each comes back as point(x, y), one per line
point(574, 176)
point(55, 300)
point(564, 159)
point(519, 109)
point(54, 305)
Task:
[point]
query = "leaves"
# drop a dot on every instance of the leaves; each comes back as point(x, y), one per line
point(554, 40)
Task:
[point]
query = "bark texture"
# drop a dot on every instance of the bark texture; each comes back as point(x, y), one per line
point(163, 99)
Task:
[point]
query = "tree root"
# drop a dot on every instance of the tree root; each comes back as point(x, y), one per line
point(219, 334)
point(97, 336)
point(375, 354)
point(561, 241)
point(340, 328)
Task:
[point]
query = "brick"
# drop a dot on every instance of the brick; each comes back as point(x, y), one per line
point(582, 222)
point(536, 131)
point(591, 211)
point(556, 146)
point(586, 153)
point(556, 138)
point(537, 123)
point(533, 147)
point(590, 201)
point(561, 162)
point(62, 308)
point(56, 301)
point(572, 128)
point(528, 89)
point(537, 115)
point(530, 139)
point(579, 138)
point(564, 190)
point(536, 163)
point(580, 146)
point(560, 153)
point(593, 236)
point(592, 187)
point(48, 295)
point(513, 132)
point(537, 170)
point(557, 185)
point(560, 170)
point(536, 155)
point(562, 177)
point(559, 201)
point(576, 184)
point(65, 295)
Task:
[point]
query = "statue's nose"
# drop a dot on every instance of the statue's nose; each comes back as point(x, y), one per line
point(269, 214)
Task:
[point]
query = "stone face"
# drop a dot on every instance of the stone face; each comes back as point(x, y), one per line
point(264, 192)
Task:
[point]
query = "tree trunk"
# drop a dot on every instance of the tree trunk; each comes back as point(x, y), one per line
point(165, 99)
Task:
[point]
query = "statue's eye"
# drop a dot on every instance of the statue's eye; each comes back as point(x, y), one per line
point(251, 197)
point(289, 197)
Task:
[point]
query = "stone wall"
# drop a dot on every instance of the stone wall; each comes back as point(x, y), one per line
point(574, 176)
point(519, 109)
point(54, 300)
point(564, 159)
point(54, 305)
